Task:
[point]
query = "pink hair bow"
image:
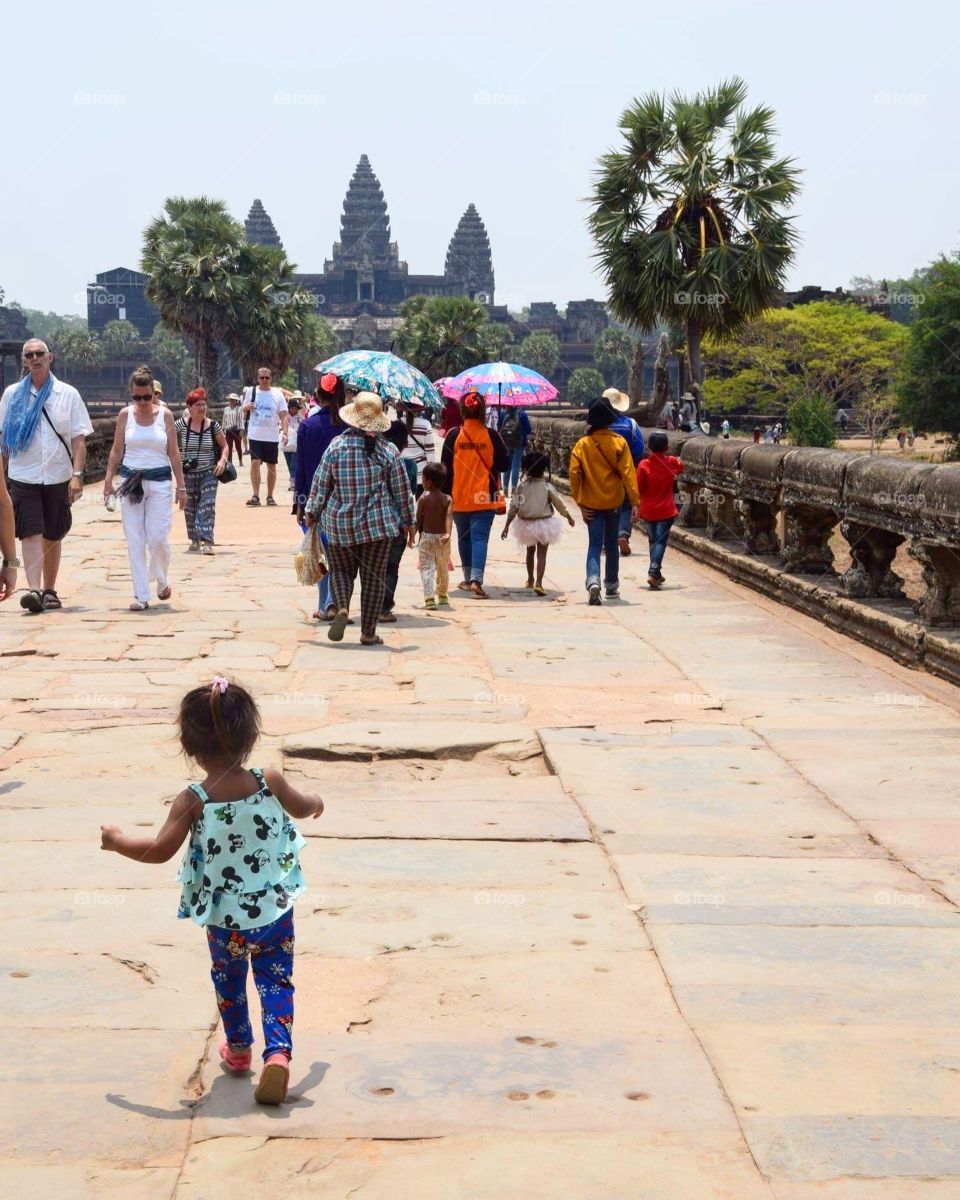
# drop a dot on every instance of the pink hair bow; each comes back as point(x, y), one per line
point(220, 682)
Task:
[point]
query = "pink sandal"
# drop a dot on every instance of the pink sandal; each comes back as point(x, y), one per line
point(235, 1061)
point(272, 1088)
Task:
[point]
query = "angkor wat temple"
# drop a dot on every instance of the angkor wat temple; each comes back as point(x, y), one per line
point(364, 282)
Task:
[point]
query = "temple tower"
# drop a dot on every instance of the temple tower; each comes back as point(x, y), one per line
point(365, 226)
point(259, 228)
point(469, 262)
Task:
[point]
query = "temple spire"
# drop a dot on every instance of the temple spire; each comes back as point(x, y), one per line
point(365, 225)
point(259, 228)
point(469, 260)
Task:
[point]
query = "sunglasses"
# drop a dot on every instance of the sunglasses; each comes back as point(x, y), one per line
point(143, 395)
point(34, 353)
point(263, 376)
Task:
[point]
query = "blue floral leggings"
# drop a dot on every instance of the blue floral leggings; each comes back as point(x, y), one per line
point(270, 949)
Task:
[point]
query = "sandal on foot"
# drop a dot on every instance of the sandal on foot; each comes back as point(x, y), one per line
point(271, 503)
point(272, 1088)
point(139, 606)
point(528, 584)
point(235, 1059)
point(539, 589)
point(388, 618)
point(430, 602)
point(443, 600)
point(50, 600)
point(32, 601)
point(165, 592)
point(463, 586)
point(337, 626)
point(253, 502)
point(374, 641)
point(476, 590)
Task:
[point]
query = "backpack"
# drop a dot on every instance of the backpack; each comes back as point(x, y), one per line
point(510, 429)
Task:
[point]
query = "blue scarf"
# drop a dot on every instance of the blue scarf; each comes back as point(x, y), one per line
point(23, 417)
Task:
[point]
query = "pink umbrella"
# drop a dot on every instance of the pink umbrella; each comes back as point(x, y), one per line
point(511, 384)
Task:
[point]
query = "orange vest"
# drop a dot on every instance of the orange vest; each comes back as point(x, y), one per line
point(472, 466)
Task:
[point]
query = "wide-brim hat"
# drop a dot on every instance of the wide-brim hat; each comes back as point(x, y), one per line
point(233, 396)
point(365, 412)
point(157, 387)
point(689, 396)
point(296, 399)
point(618, 400)
point(601, 414)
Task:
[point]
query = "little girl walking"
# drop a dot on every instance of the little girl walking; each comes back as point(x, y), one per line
point(240, 874)
point(532, 508)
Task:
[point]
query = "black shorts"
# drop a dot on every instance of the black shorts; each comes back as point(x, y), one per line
point(266, 452)
point(41, 509)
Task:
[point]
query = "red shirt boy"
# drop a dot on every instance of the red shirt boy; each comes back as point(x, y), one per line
point(655, 479)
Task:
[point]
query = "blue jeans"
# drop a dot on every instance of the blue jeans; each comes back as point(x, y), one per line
point(626, 518)
point(511, 477)
point(291, 457)
point(603, 529)
point(658, 532)
point(473, 533)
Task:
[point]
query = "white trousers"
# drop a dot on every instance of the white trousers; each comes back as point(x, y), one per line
point(146, 526)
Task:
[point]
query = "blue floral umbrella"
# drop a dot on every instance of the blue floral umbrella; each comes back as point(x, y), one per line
point(384, 373)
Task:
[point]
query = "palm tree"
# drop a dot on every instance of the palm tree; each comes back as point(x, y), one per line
point(689, 216)
point(541, 351)
point(442, 335)
point(585, 384)
point(613, 351)
point(119, 338)
point(190, 255)
point(266, 311)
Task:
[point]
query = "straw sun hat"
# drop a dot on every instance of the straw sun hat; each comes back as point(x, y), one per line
point(619, 401)
point(365, 413)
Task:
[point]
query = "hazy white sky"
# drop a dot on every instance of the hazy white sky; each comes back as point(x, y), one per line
point(111, 107)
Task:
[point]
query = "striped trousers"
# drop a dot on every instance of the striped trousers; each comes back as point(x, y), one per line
point(200, 509)
point(370, 560)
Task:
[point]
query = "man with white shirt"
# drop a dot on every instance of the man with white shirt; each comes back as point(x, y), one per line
point(43, 427)
point(268, 420)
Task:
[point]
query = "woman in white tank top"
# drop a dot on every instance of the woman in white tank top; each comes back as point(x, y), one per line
point(146, 455)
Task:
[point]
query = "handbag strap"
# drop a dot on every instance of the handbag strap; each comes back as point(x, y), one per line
point(57, 433)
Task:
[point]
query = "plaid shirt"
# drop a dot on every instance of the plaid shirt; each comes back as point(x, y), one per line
point(360, 497)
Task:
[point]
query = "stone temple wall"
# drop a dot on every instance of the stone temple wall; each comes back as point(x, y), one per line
point(766, 515)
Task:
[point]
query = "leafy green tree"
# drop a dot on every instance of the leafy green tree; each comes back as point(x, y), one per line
point(317, 342)
point(43, 324)
point(442, 335)
point(79, 349)
point(584, 385)
point(494, 340)
point(168, 352)
point(810, 421)
point(190, 255)
point(836, 351)
point(120, 339)
point(929, 384)
point(689, 217)
point(541, 351)
point(613, 351)
point(266, 312)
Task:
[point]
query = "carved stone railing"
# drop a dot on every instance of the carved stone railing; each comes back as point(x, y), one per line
point(783, 505)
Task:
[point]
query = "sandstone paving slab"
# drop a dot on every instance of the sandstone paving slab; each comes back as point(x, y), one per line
point(111, 1086)
point(699, 890)
point(398, 739)
point(816, 1147)
point(124, 922)
point(860, 1070)
point(382, 1088)
point(452, 820)
point(849, 1188)
point(483, 1166)
point(342, 659)
point(83, 1182)
point(161, 989)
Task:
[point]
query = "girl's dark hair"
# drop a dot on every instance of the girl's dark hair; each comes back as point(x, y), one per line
point(397, 434)
point(658, 441)
point(215, 725)
point(535, 464)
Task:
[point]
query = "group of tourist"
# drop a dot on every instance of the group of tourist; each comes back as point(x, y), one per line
point(373, 486)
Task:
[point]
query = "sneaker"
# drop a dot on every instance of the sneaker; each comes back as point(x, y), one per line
point(443, 600)
point(654, 581)
point(625, 547)
point(612, 593)
point(595, 594)
point(193, 548)
point(235, 1059)
point(430, 602)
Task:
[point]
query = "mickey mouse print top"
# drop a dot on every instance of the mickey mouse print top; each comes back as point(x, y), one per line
point(242, 865)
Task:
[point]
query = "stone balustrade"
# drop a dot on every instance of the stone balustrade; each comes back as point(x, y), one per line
point(782, 505)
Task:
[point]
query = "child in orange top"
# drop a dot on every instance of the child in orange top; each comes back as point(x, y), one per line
point(656, 476)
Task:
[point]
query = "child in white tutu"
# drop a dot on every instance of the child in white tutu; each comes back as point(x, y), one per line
point(535, 523)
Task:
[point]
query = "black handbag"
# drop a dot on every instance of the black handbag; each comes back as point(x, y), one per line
point(229, 473)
